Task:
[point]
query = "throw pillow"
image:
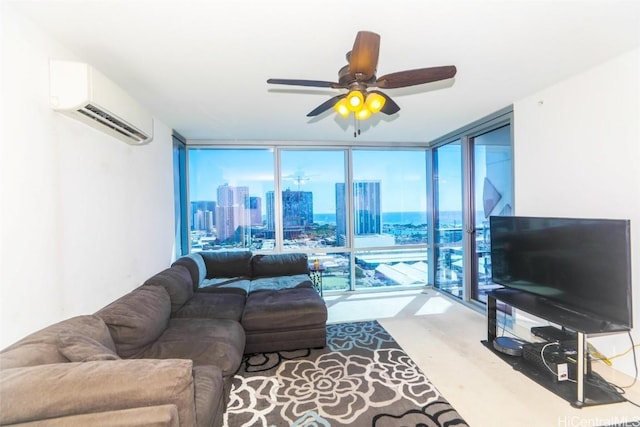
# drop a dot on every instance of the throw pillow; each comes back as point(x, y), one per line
point(81, 348)
point(137, 319)
point(279, 265)
point(177, 282)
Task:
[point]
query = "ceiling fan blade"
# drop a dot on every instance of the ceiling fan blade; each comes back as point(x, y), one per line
point(363, 58)
point(415, 77)
point(312, 83)
point(326, 105)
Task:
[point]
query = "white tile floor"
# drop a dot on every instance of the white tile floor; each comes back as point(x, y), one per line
point(444, 338)
point(348, 307)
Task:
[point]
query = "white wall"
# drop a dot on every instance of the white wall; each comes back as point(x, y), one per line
point(85, 217)
point(577, 154)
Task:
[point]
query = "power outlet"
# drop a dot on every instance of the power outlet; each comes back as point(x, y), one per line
point(563, 372)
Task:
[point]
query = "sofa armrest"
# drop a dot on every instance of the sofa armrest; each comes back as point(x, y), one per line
point(67, 389)
point(148, 416)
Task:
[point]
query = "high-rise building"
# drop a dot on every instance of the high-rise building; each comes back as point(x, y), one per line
point(255, 210)
point(297, 211)
point(297, 208)
point(366, 208)
point(367, 218)
point(202, 217)
point(271, 213)
point(232, 212)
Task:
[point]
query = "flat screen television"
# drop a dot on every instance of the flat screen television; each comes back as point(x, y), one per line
point(583, 265)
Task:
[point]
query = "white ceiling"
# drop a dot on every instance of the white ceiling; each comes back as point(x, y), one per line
point(201, 66)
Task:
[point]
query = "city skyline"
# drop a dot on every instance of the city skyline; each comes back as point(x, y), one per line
point(401, 175)
point(234, 208)
point(403, 180)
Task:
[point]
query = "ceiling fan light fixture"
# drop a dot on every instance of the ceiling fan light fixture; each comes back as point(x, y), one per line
point(355, 100)
point(375, 102)
point(342, 108)
point(363, 114)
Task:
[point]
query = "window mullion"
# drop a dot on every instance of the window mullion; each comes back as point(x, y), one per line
point(277, 200)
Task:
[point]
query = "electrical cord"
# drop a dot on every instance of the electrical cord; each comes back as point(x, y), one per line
point(603, 384)
point(609, 386)
point(607, 360)
point(544, 347)
point(624, 353)
point(635, 361)
point(621, 389)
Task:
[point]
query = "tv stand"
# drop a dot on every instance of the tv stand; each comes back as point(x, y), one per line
point(589, 388)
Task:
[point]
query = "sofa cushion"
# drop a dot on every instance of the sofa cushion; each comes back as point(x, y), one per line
point(46, 392)
point(81, 348)
point(227, 263)
point(159, 415)
point(278, 340)
point(279, 265)
point(217, 342)
point(43, 347)
point(284, 310)
point(281, 282)
point(213, 306)
point(177, 282)
point(196, 266)
point(137, 319)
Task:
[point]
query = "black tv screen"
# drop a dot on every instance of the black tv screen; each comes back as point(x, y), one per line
point(581, 264)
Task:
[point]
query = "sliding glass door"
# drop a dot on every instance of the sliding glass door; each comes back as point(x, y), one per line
point(448, 224)
point(473, 180)
point(493, 194)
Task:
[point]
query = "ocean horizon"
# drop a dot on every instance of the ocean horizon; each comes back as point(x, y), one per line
point(446, 217)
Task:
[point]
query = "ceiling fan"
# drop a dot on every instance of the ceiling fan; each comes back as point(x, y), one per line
point(360, 74)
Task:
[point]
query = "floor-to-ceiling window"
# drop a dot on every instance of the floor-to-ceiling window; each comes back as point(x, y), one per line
point(227, 197)
point(372, 217)
point(389, 211)
point(361, 213)
point(313, 207)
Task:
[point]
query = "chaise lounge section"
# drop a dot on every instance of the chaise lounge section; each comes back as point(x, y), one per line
point(282, 310)
point(166, 352)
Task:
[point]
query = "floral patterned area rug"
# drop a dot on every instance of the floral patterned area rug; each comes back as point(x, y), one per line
point(361, 378)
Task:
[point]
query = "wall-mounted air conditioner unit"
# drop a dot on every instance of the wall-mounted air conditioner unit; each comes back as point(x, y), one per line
point(79, 90)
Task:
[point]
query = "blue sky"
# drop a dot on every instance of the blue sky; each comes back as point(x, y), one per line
point(400, 172)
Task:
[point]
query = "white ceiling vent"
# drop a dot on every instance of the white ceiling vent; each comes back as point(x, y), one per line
point(79, 90)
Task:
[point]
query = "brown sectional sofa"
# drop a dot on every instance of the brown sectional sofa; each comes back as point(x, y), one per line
point(165, 353)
